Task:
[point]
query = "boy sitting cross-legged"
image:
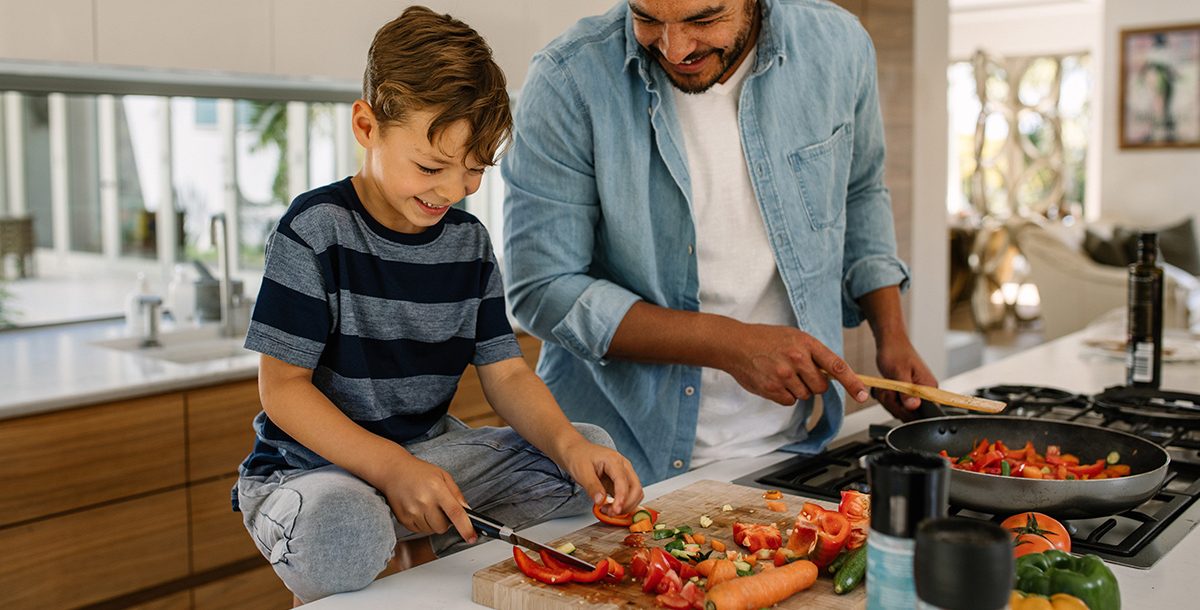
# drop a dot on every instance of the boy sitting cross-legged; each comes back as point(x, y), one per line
point(376, 296)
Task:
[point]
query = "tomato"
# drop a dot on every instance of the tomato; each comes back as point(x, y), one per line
point(658, 569)
point(673, 600)
point(670, 583)
point(1026, 527)
point(639, 565)
point(687, 571)
point(636, 541)
point(694, 595)
point(756, 536)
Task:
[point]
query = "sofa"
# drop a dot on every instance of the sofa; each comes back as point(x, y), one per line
point(1075, 289)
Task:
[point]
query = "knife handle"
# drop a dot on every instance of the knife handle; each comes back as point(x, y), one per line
point(483, 524)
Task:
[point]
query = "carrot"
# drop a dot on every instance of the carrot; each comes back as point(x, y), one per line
point(688, 539)
point(699, 538)
point(718, 546)
point(778, 507)
point(763, 589)
point(645, 525)
point(705, 568)
point(750, 559)
point(722, 571)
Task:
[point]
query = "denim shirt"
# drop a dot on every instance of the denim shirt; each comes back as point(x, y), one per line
point(597, 213)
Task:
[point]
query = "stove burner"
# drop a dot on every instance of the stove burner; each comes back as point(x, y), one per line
point(1150, 406)
point(1028, 397)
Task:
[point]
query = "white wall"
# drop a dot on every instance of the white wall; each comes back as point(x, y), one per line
point(1052, 28)
point(1149, 187)
point(279, 37)
point(930, 260)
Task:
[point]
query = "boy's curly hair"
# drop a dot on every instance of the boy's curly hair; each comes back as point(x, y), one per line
point(423, 60)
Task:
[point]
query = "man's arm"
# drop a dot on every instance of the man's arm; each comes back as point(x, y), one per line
point(780, 363)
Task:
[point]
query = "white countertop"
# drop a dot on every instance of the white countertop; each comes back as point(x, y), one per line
point(446, 583)
point(55, 367)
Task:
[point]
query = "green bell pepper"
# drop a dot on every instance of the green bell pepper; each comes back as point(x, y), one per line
point(1084, 576)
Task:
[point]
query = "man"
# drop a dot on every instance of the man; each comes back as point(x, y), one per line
point(695, 207)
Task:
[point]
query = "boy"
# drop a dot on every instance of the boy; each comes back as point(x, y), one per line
point(375, 297)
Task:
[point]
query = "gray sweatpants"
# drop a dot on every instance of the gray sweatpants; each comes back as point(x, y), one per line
point(326, 531)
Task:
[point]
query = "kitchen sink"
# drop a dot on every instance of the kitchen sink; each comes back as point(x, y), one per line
point(187, 346)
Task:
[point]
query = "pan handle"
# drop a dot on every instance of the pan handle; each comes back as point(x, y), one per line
point(929, 410)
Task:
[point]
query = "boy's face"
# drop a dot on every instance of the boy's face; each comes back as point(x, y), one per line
point(409, 182)
point(698, 43)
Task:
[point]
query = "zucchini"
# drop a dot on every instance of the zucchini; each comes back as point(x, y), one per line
point(664, 533)
point(641, 515)
point(566, 548)
point(837, 563)
point(853, 571)
point(683, 529)
point(673, 545)
point(743, 568)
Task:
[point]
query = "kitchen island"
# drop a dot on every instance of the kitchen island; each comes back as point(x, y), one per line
point(1067, 363)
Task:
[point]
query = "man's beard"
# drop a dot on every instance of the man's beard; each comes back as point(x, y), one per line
point(725, 57)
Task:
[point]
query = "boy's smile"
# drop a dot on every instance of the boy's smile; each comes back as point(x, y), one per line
point(407, 183)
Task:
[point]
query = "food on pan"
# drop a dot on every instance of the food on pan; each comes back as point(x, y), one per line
point(1026, 462)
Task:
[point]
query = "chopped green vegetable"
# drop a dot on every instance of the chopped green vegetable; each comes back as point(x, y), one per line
point(1005, 468)
point(683, 529)
point(674, 544)
point(1113, 457)
point(660, 526)
point(663, 533)
point(741, 566)
point(642, 515)
point(566, 547)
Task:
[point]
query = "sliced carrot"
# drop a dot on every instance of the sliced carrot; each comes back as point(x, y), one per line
point(778, 507)
point(766, 588)
point(689, 539)
point(699, 538)
point(773, 494)
point(705, 568)
point(718, 546)
point(645, 525)
point(750, 559)
point(722, 571)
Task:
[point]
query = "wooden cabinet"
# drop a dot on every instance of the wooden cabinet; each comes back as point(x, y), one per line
point(66, 460)
point(253, 590)
point(218, 424)
point(92, 555)
point(218, 536)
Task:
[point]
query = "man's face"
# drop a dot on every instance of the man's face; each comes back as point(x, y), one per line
point(697, 42)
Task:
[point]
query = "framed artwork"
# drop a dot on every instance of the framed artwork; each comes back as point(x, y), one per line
point(1160, 87)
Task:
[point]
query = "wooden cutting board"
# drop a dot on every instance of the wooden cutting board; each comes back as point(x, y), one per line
point(502, 586)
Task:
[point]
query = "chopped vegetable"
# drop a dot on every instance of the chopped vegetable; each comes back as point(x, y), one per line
point(996, 458)
point(539, 572)
point(699, 538)
point(777, 507)
point(819, 533)
point(624, 520)
point(1113, 457)
point(762, 589)
point(705, 521)
point(1085, 577)
point(726, 508)
point(665, 532)
point(635, 541)
point(641, 526)
point(773, 494)
point(722, 571)
point(717, 545)
point(852, 573)
point(756, 536)
point(565, 548)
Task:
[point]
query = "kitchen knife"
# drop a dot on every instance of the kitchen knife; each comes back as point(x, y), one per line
point(492, 529)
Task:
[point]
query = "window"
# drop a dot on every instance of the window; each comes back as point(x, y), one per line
point(35, 140)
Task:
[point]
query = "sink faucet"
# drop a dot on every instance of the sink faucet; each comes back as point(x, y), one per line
point(220, 239)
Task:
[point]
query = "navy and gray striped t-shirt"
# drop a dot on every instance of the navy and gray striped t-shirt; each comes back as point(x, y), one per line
point(388, 321)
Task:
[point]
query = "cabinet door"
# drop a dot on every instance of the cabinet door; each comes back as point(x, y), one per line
point(219, 432)
point(93, 555)
point(80, 457)
point(253, 590)
point(218, 536)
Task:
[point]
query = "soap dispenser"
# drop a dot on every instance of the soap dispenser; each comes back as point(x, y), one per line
point(133, 307)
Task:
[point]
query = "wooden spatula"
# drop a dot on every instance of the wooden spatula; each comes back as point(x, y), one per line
point(940, 396)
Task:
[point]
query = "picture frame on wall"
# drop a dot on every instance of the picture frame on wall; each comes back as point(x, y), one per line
point(1160, 87)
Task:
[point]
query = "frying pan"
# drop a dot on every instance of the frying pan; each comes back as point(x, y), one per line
point(1002, 495)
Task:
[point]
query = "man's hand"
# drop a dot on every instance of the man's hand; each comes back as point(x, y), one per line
point(602, 472)
point(785, 364)
point(426, 500)
point(898, 359)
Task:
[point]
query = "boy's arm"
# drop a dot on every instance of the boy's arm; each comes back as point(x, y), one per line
point(520, 397)
point(423, 496)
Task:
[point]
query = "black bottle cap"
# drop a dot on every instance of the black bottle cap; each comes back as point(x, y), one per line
point(963, 564)
point(906, 489)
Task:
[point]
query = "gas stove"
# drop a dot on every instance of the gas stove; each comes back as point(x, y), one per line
point(1137, 537)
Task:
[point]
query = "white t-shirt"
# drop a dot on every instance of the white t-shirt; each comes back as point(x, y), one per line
point(736, 265)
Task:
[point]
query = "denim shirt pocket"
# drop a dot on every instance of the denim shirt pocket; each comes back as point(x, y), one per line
point(823, 172)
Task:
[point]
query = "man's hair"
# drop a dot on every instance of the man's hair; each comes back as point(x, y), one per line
point(422, 60)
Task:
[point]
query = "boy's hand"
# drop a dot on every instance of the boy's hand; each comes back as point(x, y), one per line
point(602, 471)
point(426, 500)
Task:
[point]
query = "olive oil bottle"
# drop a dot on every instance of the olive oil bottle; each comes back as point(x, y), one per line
point(1143, 360)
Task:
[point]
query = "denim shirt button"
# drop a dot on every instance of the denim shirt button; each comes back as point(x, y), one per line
point(690, 249)
point(677, 464)
point(689, 390)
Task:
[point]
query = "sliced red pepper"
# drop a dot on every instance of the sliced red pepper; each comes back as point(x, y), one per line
point(1091, 470)
point(833, 531)
point(616, 571)
point(756, 536)
point(624, 520)
point(539, 572)
point(672, 561)
point(576, 575)
point(686, 571)
point(802, 537)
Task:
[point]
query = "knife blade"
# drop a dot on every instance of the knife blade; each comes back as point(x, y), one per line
point(494, 529)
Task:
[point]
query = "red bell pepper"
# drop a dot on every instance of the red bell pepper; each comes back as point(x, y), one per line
point(856, 506)
point(756, 536)
point(623, 520)
point(833, 530)
point(1090, 470)
point(539, 572)
point(576, 575)
point(656, 570)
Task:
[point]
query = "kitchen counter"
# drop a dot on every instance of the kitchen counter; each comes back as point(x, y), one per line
point(56, 367)
point(1065, 363)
